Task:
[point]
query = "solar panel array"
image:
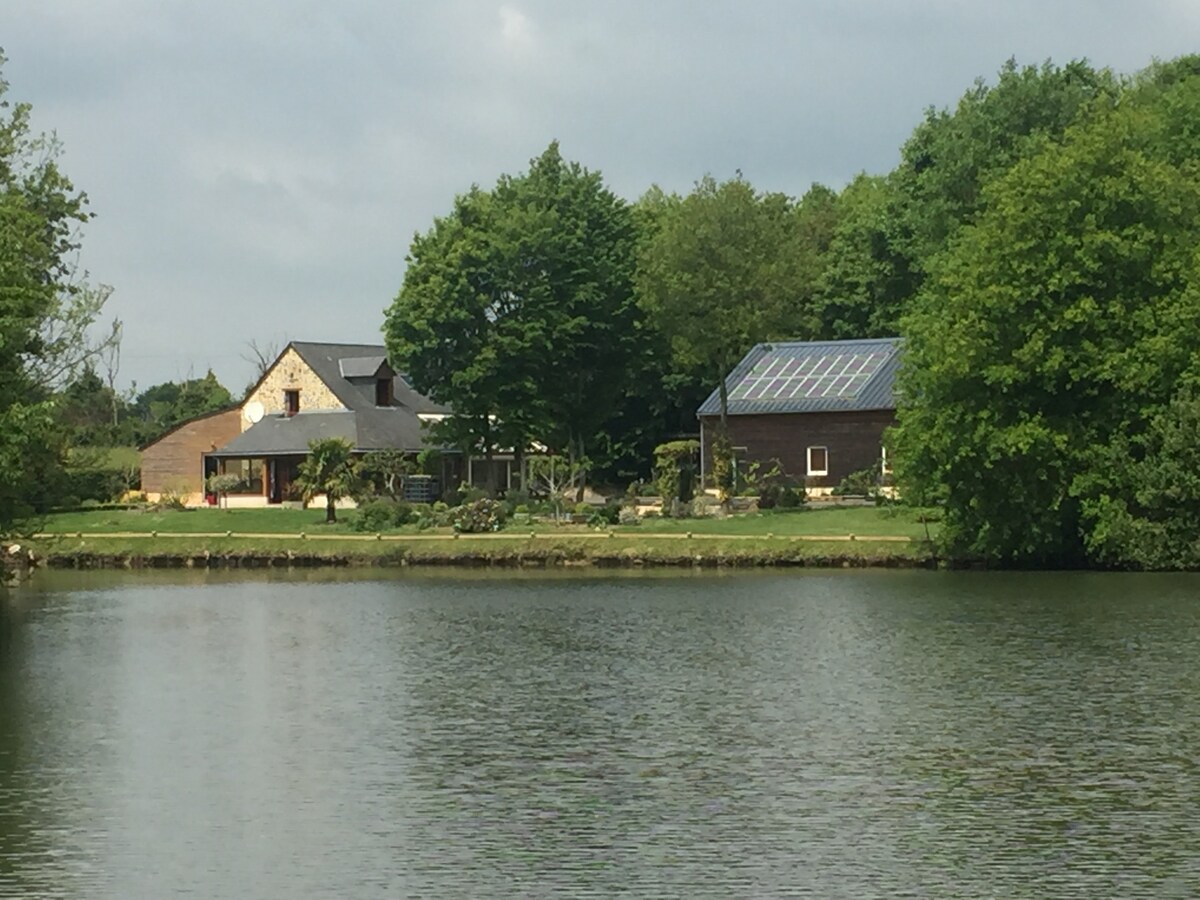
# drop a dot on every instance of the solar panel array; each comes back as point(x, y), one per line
point(811, 376)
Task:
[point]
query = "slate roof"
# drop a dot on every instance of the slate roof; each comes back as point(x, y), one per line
point(349, 371)
point(328, 360)
point(811, 376)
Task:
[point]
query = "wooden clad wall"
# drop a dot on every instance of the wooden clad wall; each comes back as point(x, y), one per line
point(853, 438)
point(174, 462)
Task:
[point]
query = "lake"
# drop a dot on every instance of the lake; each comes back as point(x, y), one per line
point(367, 734)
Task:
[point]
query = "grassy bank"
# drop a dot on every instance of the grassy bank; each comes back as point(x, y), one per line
point(865, 536)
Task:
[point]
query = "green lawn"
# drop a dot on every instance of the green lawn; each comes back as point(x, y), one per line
point(862, 521)
point(243, 521)
point(898, 521)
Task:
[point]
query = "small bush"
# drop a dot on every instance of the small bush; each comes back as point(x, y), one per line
point(515, 499)
point(608, 514)
point(479, 517)
point(470, 494)
point(789, 497)
point(864, 482)
point(382, 514)
point(628, 516)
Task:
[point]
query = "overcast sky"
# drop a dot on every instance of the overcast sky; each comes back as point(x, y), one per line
point(257, 169)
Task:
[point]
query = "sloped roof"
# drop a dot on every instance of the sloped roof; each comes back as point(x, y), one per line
point(334, 364)
point(361, 366)
point(811, 376)
point(349, 371)
point(380, 428)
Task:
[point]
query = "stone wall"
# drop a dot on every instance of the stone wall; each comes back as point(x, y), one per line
point(291, 373)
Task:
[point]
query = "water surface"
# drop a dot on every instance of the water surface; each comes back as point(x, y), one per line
point(836, 735)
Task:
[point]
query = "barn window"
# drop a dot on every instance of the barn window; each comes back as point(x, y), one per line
point(885, 465)
point(291, 402)
point(818, 460)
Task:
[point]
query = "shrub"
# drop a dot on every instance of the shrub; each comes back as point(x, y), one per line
point(608, 514)
point(517, 500)
point(382, 514)
point(777, 489)
point(864, 482)
point(470, 494)
point(628, 516)
point(790, 497)
point(674, 466)
point(478, 517)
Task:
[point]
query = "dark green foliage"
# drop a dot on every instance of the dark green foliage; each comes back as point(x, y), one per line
point(161, 407)
point(775, 487)
point(330, 469)
point(864, 482)
point(43, 309)
point(517, 309)
point(866, 283)
point(383, 514)
point(384, 471)
point(100, 483)
point(1155, 522)
point(1025, 365)
point(478, 517)
point(675, 470)
point(608, 514)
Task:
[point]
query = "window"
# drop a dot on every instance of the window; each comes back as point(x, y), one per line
point(818, 460)
point(250, 473)
point(383, 392)
point(885, 466)
point(291, 402)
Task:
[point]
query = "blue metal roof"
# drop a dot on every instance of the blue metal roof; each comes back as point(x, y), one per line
point(811, 376)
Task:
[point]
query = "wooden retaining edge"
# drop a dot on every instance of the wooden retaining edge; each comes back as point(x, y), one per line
point(499, 536)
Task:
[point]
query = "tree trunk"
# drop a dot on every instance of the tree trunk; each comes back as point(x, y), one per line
point(578, 456)
point(330, 510)
point(723, 438)
point(519, 459)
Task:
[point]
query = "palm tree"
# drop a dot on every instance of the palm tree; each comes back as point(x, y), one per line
point(328, 469)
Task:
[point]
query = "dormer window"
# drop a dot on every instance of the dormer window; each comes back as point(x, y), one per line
point(291, 402)
point(383, 392)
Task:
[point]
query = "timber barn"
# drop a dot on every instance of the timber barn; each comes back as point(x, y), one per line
point(820, 408)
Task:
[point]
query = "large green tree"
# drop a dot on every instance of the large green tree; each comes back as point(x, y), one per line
point(865, 283)
point(517, 309)
point(952, 154)
point(45, 312)
point(712, 280)
point(1063, 320)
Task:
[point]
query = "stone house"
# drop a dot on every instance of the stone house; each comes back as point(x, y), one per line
point(312, 390)
point(820, 408)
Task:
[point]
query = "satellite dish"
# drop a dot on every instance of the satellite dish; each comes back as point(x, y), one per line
point(253, 412)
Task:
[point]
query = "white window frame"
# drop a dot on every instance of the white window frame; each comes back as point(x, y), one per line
point(885, 467)
point(809, 460)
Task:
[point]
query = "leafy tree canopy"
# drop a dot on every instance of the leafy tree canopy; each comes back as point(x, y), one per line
point(1064, 320)
point(45, 311)
point(517, 308)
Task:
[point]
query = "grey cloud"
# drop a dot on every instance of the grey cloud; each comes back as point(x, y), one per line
point(258, 169)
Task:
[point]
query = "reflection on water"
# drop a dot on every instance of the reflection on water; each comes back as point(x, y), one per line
point(473, 734)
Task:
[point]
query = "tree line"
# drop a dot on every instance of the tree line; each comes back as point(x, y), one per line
point(1034, 248)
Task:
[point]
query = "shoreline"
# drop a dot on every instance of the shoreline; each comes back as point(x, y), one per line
point(480, 557)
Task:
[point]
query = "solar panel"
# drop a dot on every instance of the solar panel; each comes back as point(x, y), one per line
point(812, 376)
